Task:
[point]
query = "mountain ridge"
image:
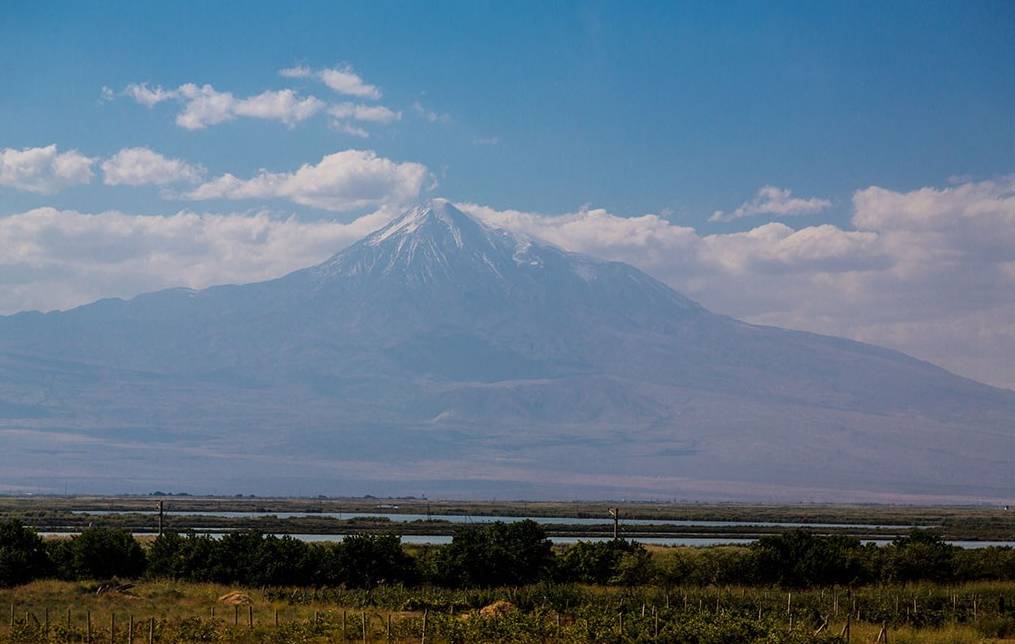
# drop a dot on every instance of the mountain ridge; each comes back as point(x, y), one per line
point(445, 341)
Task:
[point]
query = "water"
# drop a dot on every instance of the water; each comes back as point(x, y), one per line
point(440, 539)
point(467, 519)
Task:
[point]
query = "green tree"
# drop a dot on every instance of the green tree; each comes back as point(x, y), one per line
point(102, 553)
point(495, 554)
point(22, 554)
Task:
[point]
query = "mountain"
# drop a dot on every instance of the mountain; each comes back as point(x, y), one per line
point(439, 355)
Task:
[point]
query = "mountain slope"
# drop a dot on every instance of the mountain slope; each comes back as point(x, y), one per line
point(441, 355)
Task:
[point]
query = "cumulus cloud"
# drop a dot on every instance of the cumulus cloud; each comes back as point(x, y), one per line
point(141, 166)
point(204, 105)
point(55, 259)
point(340, 79)
point(930, 272)
point(43, 170)
point(348, 180)
point(771, 200)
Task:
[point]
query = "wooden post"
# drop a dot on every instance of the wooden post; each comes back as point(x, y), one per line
point(615, 514)
point(250, 616)
point(112, 628)
point(422, 639)
point(160, 517)
point(387, 633)
point(620, 621)
point(130, 629)
point(151, 630)
point(236, 615)
point(12, 616)
point(88, 626)
point(364, 614)
point(343, 623)
point(276, 618)
point(46, 631)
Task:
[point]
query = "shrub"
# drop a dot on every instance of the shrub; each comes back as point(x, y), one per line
point(22, 554)
point(495, 554)
point(99, 553)
point(800, 559)
point(365, 561)
point(603, 562)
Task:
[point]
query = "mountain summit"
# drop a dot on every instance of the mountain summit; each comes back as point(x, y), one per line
point(444, 356)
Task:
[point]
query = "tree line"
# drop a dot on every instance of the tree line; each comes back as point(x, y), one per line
point(498, 554)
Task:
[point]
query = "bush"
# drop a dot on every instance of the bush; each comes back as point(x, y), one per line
point(22, 554)
point(499, 554)
point(604, 562)
point(365, 561)
point(801, 559)
point(922, 555)
point(98, 553)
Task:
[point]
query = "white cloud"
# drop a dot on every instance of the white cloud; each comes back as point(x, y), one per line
point(345, 81)
point(148, 96)
point(204, 105)
point(340, 79)
point(348, 180)
point(368, 113)
point(283, 105)
point(141, 166)
point(62, 258)
point(43, 170)
point(347, 128)
point(771, 200)
point(930, 272)
point(299, 71)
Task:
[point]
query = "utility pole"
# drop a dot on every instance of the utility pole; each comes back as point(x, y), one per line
point(615, 513)
point(160, 518)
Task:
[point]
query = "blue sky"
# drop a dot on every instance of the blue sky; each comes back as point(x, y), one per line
point(841, 167)
point(680, 107)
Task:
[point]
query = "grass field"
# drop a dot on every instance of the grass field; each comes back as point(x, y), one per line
point(187, 612)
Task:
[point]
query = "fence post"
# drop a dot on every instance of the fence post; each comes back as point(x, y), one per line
point(236, 615)
point(130, 629)
point(364, 614)
point(151, 630)
point(88, 626)
point(250, 616)
point(112, 628)
point(12, 616)
point(387, 633)
point(46, 631)
point(276, 618)
point(422, 639)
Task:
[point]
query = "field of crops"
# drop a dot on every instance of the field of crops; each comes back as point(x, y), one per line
point(164, 611)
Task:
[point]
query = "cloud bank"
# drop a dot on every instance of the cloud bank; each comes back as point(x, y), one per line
point(930, 272)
